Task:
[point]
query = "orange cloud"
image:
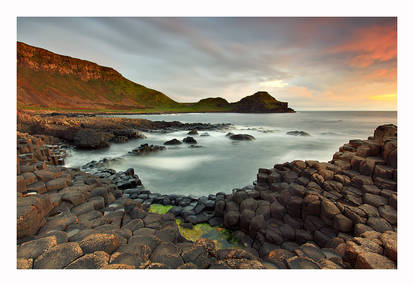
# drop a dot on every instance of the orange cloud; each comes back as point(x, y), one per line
point(384, 97)
point(382, 74)
point(369, 45)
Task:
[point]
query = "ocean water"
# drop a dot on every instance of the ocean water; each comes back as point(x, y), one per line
point(222, 164)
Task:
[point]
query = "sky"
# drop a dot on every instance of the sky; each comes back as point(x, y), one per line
point(311, 63)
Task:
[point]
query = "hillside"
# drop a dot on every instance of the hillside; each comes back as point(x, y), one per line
point(48, 81)
point(260, 102)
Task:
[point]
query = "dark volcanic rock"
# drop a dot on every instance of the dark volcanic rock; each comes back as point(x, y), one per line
point(173, 142)
point(298, 133)
point(189, 140)
point(241, 137)
point(145, 148)
point(91, 139)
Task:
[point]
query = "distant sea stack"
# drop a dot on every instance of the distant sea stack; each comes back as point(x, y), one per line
point(261, 102)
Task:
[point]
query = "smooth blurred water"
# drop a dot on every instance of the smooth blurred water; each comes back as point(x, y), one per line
point(222, 164)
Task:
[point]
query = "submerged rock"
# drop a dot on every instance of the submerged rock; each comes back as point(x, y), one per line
point(241, 137)
point(298, 133)
point(189, 140)
point(193, 132)
point(173, 142)
point(145, 148)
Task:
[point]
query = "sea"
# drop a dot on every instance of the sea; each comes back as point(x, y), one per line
point(221, 164)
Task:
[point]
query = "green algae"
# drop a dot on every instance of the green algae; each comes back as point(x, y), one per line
point(223, 238)
point(159, 209)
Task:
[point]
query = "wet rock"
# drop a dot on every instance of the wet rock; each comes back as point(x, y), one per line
point(241, 137)
point(193, 132)
point(189, 140)
point(146, 148)
point(298, 133)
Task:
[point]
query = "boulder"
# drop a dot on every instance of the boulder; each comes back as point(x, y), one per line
point(30, 214)
point(248, 204)
point(297, 262)
point(166, 253)
point(32, 249)
point(379, 224)
point(388, 213)
point(58, 256)
point(173, 142)
point(231, 219)
point(370, 260)
point(99, 242)
point(374, 200)
point(56, 184)
point(329, 209)
point(241, 137)
point(245, 218)
point(95, 260)
point(342, 223)
point(91, 139)
point(193, 132)
point(389, 242)
point(298, 133)
point(257, 224)
point(277, 210)
point(189, 140)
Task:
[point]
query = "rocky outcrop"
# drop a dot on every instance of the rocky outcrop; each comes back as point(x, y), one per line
point(298, 133)
point(173, 142)
point(146, 148)
point(93, 132)
point(189, 140)
point(300, 214)
point(347, 207)
point(261, 102)
point(94, 221)
point(240, 137)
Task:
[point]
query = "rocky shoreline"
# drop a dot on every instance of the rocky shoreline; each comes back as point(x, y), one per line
point(302, 214)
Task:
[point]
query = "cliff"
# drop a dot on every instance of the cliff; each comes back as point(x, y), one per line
point(49, 80)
